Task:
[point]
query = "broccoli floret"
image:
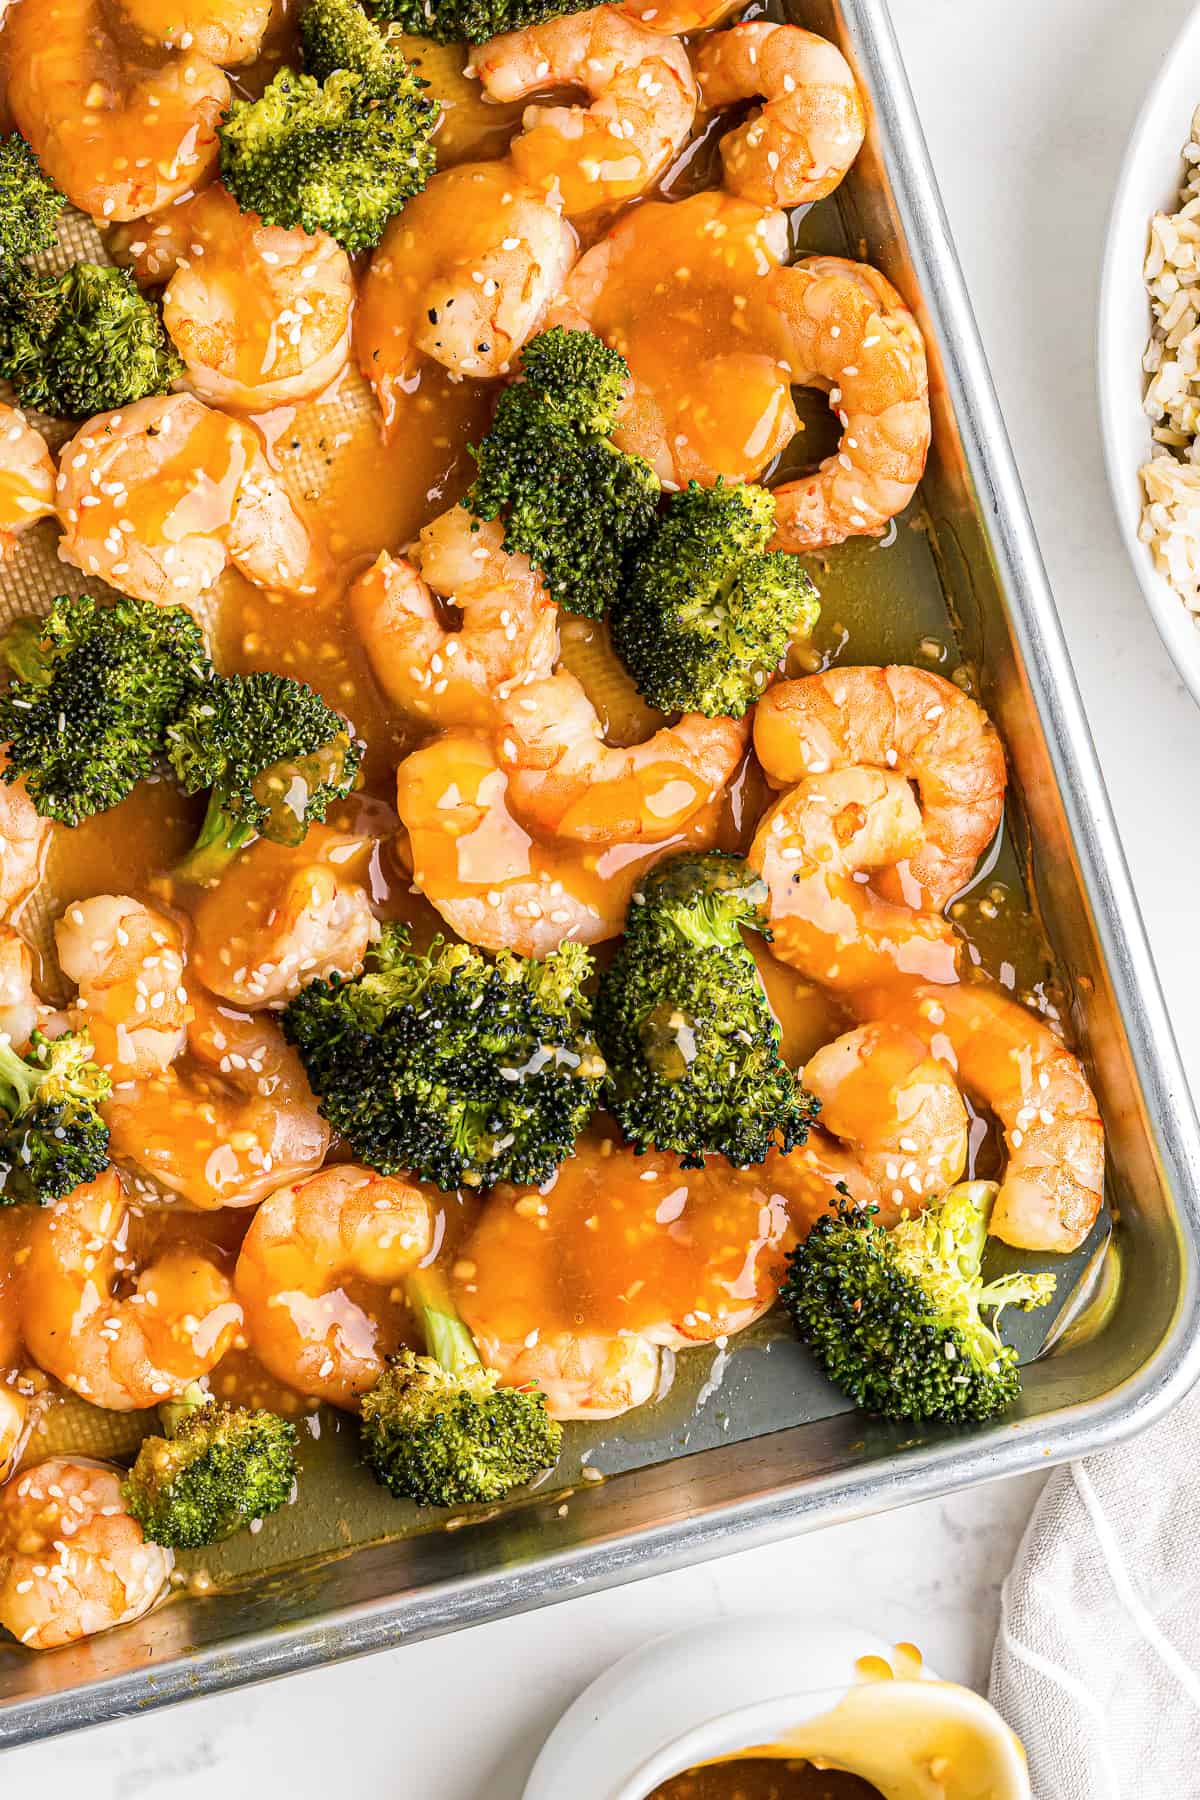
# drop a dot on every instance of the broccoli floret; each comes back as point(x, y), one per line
point(339, 148)
point(463, 1068)
point(94, 688)
point(573, 503)
point(438, 1429)
point(216, 1469)
point(690, 1043)
point(272, 755)
point(82, 342)
point(471, 21)
point(894, 1318)
point(52, 1137)
point(709, 611)
point(29, 204)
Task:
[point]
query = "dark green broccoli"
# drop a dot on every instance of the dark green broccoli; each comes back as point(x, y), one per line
point(438, 1429)
point(94, 688)
point(709, 610)
point(82, 342)
point(691, 1045)
point(29, 204)
point(463, 1068)
point(573, 503)
point(339, 148)
point(894, 1317)
point(271, 754)
point(216, 1470)
point(470, 21)
point(52, 1137)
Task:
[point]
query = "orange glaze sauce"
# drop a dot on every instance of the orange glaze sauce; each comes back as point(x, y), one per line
point(620, 1242)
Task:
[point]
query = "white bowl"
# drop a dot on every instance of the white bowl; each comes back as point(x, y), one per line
point(732, 1684)
point(1149, 182)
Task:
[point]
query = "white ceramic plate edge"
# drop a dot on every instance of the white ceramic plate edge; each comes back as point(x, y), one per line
point(1149, 181)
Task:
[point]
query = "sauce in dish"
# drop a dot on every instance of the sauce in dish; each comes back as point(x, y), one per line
point(764, 1778)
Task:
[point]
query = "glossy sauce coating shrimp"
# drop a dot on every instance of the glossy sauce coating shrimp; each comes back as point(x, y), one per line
point(915, 724)
point(681, 291)
point(119, 137)
point(897, 1107)
point(282, 915)
point(462, 276)
point(229, 32)
point(642, 101)
point(26, 478)
point(455, 676)
point(578, 1284)
point(799, 144)
point(565, 780)
point(260, 315)
point(1012, 1062)
point(24, 836)
point(175, 1320)
point(225, 1124)
point(492, 882)
point(845, 329)
point(127, 961)
point(311, 1250)
point(675, 17)
point(72, 1559)
point(156, 499)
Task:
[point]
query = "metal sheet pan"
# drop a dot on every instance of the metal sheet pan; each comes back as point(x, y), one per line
point(726, 1496)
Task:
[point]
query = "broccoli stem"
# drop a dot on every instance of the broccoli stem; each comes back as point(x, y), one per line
point(19, 1082)
point(222, 835)
point(447, 1338)
point(174, 1412)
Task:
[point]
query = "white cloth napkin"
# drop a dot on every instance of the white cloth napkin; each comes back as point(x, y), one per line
point(1097, 1660)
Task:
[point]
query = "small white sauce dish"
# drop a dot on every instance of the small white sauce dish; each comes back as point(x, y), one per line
point(808, 1687)
point(1149, 182)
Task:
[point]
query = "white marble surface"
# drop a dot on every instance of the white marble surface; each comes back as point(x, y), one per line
point(1026, 105)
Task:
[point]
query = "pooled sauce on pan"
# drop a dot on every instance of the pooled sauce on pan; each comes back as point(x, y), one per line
point(764, 1778)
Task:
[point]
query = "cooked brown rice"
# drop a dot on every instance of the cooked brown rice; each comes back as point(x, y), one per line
point(1171, 511)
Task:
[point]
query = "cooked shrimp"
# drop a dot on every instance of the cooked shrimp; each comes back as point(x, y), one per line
point(127, 961)
point(490, 880)
point(681, 290)
point(1014, 1064)
point(260, 315)
point(176, 1320)
point(24, 836)
point(508, 634)
point(578, 1283)
point(564, 779)
point(307, 1244)
point(158, 498)
point(229, 32)
point(897, 1107)
point(21, 1012)
point(282, 915)
point(226, 1123)
point(798, 146)
point(119, 136)
point(813, 849)
point(73, 1561)
point(913, 723)
point(463, 276)
point(845, 329)
point(26, 478)
point(642, 101)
